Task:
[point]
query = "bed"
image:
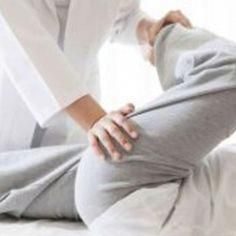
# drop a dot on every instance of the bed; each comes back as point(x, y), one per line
point(204, 205)
point(13, 227)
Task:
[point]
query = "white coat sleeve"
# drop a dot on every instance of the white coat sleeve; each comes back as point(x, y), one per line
point(128, 18)
point(37, 67)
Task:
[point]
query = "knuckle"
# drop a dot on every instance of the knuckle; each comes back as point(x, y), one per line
point(124, 141)
point(104, 137)
point(131, 106)
point(121, 119)
point(114, 129)
point(128, 106)
point(176, 14)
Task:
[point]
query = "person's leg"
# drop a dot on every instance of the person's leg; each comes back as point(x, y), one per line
point(39, 183)
point(177, 129)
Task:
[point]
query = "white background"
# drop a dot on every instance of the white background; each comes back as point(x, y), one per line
point(126, 77)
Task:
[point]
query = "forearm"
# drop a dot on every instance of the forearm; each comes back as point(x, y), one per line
point(85, 111)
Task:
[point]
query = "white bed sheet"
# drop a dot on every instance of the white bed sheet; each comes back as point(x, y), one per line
point(12, 227)
point(205, 205)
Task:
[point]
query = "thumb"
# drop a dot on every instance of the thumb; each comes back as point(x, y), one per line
point(127, 109)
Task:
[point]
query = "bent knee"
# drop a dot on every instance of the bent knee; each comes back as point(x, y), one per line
point(100, 184)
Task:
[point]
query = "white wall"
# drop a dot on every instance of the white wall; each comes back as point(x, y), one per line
point(126, 77)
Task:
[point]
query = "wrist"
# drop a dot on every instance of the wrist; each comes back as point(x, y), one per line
point(86, 112)
point(148, 29)
point(143, 31)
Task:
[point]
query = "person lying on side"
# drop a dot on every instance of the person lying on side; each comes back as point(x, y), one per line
point(177, 129)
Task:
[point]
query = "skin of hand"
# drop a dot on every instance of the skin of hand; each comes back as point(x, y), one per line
point(102, 127)
point(148, 29)
point(115, 125)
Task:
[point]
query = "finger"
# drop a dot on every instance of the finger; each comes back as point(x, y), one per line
point(95, 145)
point(175, 18)
point(178, 17)
point(185, 20)
point(188, 22)
point(127, 109)
point(126, 124)
point(105, 140)
point(118, 135)
point(155, 29)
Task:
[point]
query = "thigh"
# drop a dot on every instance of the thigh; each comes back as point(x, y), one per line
point(173, 140)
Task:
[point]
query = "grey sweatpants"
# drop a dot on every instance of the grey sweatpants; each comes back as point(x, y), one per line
point(39, 183)
point(177, 130)
point(196, 112)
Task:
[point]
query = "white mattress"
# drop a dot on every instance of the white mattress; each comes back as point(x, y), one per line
point(12, 227)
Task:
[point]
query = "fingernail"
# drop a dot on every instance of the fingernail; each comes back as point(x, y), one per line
point(134, 134)
point(128, 146)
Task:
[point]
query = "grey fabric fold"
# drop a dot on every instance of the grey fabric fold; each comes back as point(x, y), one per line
point(39, 183)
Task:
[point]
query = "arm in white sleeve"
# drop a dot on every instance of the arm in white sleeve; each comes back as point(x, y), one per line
point(35, 64)
point(128, 18)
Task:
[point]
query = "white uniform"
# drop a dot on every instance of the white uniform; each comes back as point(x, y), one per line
point(48, 55)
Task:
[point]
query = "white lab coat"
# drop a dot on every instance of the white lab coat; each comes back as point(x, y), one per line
point(48, 60)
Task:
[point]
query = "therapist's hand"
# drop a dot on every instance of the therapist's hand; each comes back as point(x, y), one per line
point(113, 126)
point(104, 129)
point(170, 18)
point(148, 29)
